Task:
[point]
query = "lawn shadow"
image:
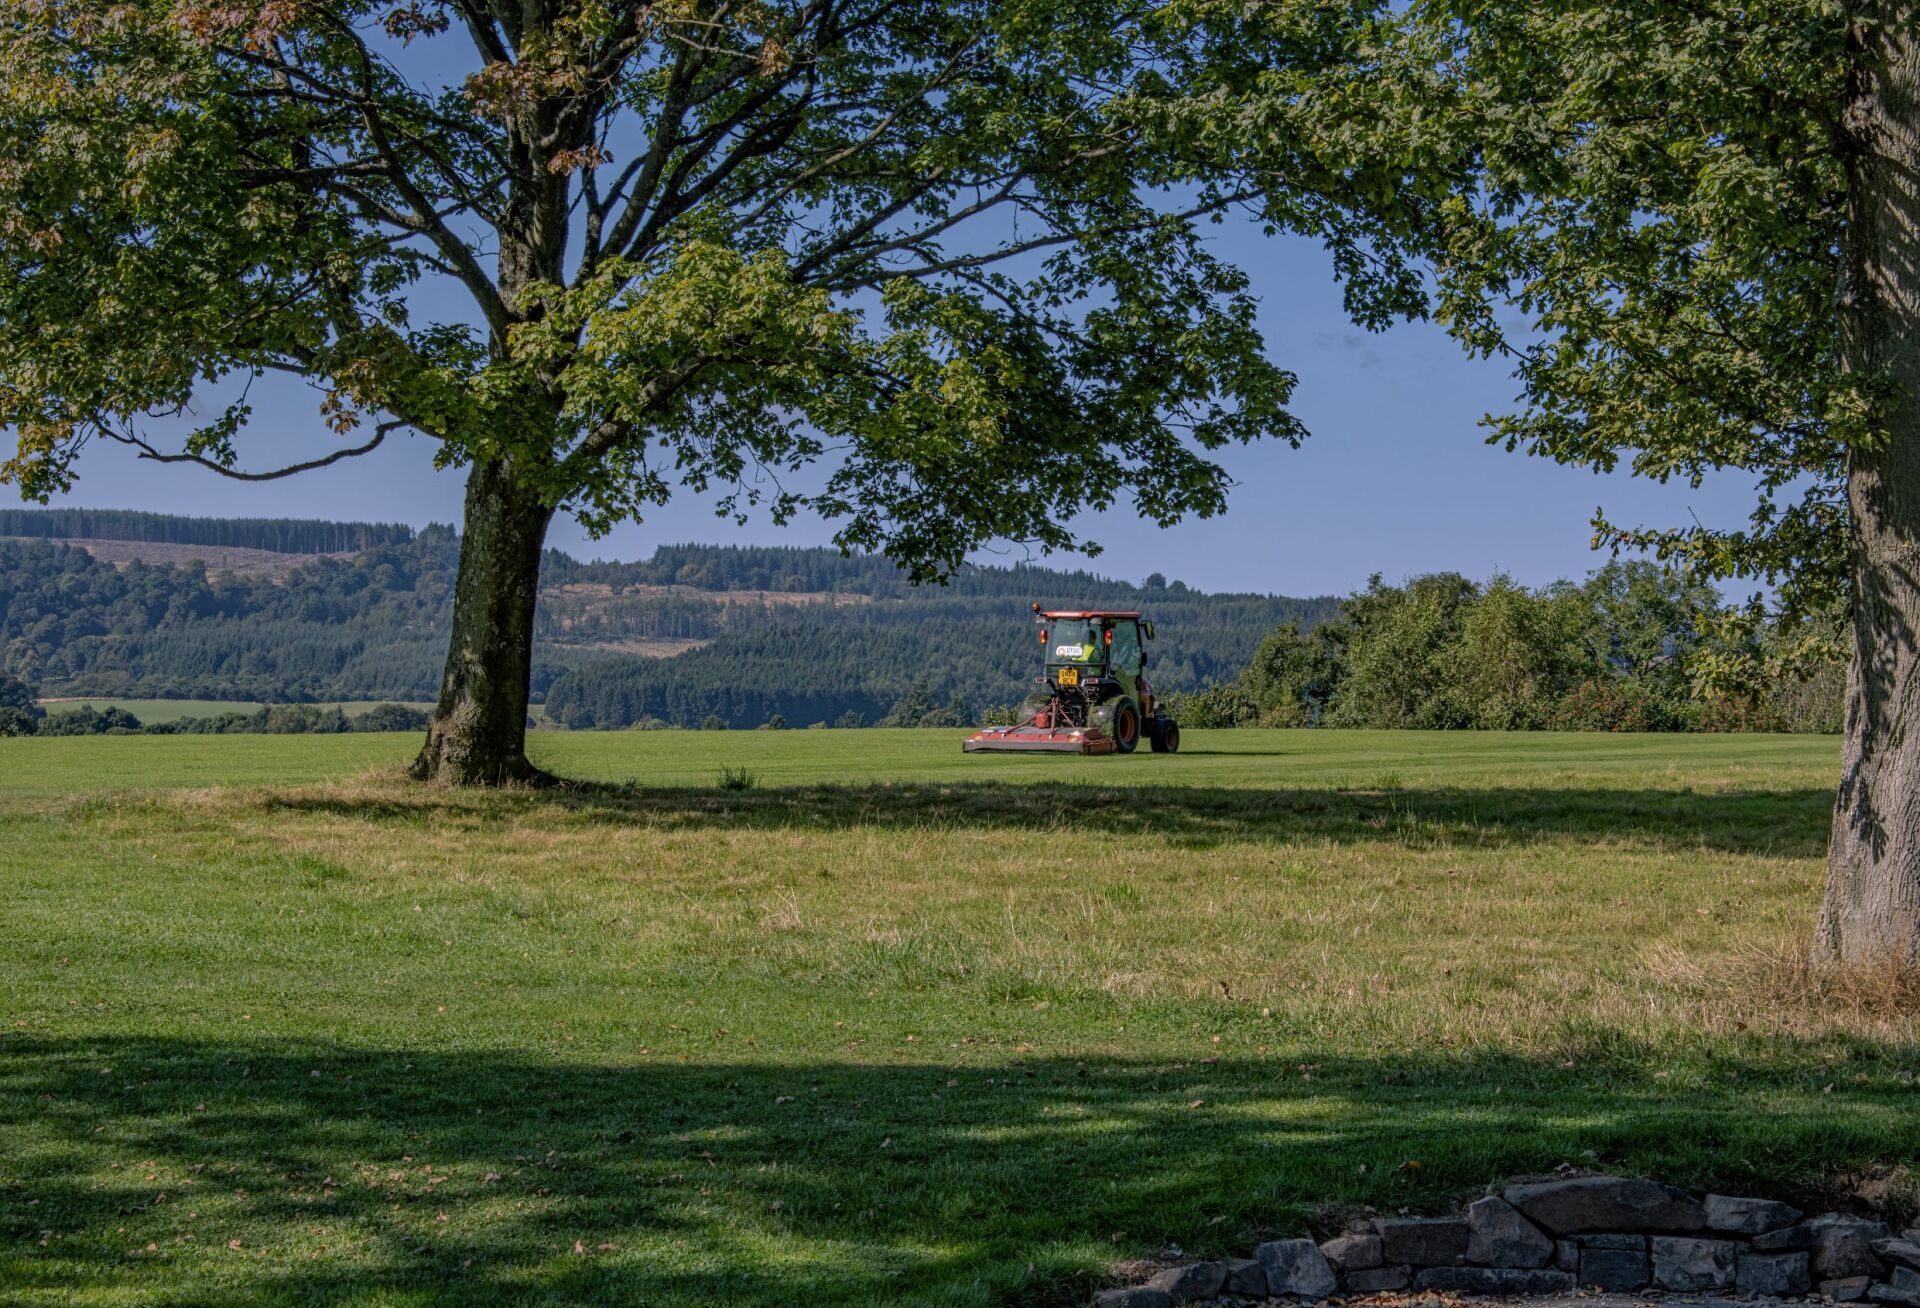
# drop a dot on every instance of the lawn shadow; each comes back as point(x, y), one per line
point(652, 1181)
point(1784, 823)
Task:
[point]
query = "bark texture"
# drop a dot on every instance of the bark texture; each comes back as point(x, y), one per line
point(478, 735)
point(1872, 907)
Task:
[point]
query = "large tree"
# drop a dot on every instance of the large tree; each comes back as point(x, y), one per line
point(949, 254)
point(1695, 232)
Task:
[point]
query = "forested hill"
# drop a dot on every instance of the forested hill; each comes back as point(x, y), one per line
point(697, 631)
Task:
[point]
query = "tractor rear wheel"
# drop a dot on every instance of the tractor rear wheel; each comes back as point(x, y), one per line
point(1126, 725)
point(1165, 736)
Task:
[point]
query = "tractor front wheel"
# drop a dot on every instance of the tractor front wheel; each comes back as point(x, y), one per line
point(1165, 736)
point(1126, 725)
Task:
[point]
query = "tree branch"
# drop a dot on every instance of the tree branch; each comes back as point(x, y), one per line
point(148, 451)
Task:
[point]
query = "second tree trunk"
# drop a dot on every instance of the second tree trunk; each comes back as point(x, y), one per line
point(1872, 909)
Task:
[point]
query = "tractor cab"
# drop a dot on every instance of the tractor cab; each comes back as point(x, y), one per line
point(1092, 695)
point(1086, 649)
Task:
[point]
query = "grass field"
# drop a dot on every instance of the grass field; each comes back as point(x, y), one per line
point(894, 1025)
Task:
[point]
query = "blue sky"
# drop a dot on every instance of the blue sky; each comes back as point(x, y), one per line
point(1396, 478)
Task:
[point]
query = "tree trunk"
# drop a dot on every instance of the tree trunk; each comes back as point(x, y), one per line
point(478, 736)
point(1872, 908)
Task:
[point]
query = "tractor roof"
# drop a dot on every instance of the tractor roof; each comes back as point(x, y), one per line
point(1090, 613)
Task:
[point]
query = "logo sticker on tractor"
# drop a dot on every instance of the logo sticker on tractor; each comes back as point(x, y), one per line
point(1069, 651)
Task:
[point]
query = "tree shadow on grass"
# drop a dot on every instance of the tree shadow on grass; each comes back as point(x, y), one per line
point(1787, 823)
point(410, 1175)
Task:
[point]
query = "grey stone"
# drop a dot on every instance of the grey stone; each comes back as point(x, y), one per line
point(1867, 1226)
point(1904, 1278)
point(1898, 1249)
point(1296, 1267)
point(1377, 1280)
point(1894, 1296)
point(1777, 1273)
point(1498, 1236)
point(1566, 1255)
point(1683, 1264)
point(1616, 1270)
point(1188, 1284)
point(1607, 1203)
point(1134, 1297)
point(1354, 1251)
point(1748, 1216)
point(1493, 1280)
point(1845, 1290)
point(1843, 1251)
point(1807, 1234)
point(1612, 1240)
point(1423, 1241)
point(1245, 1276)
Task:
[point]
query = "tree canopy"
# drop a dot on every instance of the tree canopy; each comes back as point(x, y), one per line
point(936, 271)
point(952, 248)
point(1643, 213)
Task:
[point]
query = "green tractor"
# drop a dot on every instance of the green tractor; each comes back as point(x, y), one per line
point(1093, 696)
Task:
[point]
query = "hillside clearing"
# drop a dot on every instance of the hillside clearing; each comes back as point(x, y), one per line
point(220, 560)
point(894, 1025)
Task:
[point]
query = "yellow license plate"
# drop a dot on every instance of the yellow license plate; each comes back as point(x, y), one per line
point(1069, 676)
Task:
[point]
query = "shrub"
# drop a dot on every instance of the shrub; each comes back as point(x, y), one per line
point(1817, 703)
point(1624, 704)
point(18, 695)
point(16, 722)
point(389, 717)
point(1736, 713)
point(1213, 706)
point(301, 719)
point(737, 779)
point(88, 721)
point(713, 722)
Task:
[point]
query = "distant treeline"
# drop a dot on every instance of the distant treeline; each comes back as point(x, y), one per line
point(281, 535)
point(269, 719)
point(796, 568)
point(1614, 653)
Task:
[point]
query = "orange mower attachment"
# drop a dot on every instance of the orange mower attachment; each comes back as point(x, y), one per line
point(1030, 739)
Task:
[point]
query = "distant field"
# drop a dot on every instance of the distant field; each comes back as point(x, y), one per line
point(894, 1025)
point(171, 710)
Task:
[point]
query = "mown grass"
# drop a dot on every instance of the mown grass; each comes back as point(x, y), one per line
point(894, 1025)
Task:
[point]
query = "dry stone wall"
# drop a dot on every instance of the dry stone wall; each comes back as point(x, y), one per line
point(1607, 1233)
